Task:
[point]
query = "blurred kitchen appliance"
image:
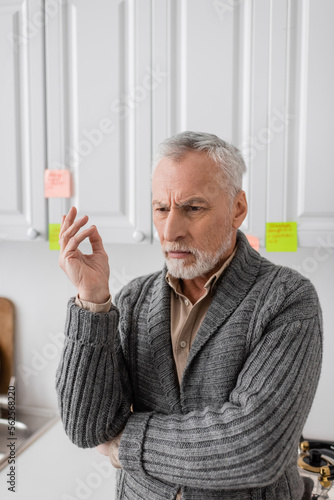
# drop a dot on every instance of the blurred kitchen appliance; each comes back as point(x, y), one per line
point(316, 463)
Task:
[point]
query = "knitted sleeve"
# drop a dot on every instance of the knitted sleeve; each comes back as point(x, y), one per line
point(248, 441)
point(92, 383)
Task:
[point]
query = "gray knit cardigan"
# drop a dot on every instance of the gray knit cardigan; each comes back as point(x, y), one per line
point(231, 429)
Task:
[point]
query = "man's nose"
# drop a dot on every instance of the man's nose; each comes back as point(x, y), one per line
point(175, 226)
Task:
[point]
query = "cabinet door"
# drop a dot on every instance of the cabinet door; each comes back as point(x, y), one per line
point(99, 80)
point(311, 173)
point(22, 120)
point(297, 87)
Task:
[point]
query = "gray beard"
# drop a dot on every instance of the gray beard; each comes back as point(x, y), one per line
point(205, 261)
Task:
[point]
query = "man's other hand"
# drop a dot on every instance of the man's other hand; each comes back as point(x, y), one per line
point(110, 449)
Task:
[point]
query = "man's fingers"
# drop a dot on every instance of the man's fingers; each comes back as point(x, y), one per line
point(71, 231)
point(67, 220)
point(96, 240)
point(75, 240)
point(70, 238)
point(61, 226)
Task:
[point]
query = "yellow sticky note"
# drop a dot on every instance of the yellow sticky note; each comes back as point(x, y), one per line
point(54, 230)
point(253, 241)
point(281, 237)
point(57, 183)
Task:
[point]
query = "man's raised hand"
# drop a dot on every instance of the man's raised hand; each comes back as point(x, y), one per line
point(88, 273)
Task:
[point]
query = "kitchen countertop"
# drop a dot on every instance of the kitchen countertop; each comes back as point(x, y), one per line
point(53, 468)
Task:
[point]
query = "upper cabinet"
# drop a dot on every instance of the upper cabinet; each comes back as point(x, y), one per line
point(95, 86)
point(23, 210)
point(99, 89)
point(256, 73)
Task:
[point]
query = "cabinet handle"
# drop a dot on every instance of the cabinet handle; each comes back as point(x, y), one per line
point(32, 233)
point(138, 235)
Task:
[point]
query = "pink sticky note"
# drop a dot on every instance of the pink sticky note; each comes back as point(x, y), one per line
point(253, 241)
point(57, 183)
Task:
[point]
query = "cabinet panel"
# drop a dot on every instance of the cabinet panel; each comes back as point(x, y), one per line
point(100, 80)
point(292, 140)
point(196, 47)
point(318, 195)
point(22, 121)
point(311, 137)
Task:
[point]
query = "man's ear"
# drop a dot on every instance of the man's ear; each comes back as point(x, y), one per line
point(240, 209)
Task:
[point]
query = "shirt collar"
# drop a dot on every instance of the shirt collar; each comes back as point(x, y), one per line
point(174, 283)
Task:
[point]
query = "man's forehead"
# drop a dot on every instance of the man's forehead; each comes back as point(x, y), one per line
point(205, 194)
point(194, 176)
point(190, 159)
point(188, 200)
point(184, 175)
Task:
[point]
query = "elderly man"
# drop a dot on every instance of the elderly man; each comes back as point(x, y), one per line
point(197, 379)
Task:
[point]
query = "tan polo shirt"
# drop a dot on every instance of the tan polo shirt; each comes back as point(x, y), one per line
point(186, 319)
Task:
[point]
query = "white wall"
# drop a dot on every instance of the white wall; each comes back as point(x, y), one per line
point(31, 278)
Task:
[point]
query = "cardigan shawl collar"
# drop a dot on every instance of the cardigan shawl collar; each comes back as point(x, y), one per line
point(231, 288)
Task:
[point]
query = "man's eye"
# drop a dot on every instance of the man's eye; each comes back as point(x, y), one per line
point(161, 209)
point(193, 208)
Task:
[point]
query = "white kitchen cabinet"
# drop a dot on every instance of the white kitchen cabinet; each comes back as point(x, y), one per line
point(99, 84)
point(23, 210)
point(258, 74)
point(121, 76)
point(298, 175)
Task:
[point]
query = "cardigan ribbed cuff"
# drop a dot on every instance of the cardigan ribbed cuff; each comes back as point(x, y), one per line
point(131, 447)
point(88, 327)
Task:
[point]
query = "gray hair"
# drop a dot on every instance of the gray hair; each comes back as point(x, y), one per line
point(226, 156)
